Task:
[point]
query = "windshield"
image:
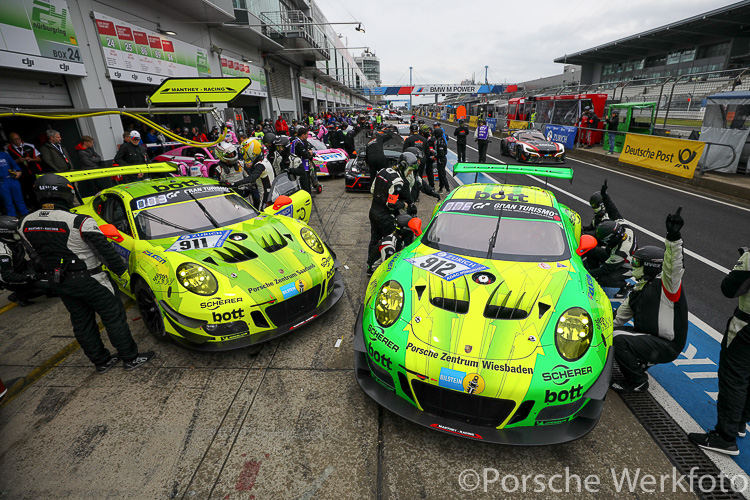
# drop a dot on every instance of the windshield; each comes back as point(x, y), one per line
point(284, 184)
point(316, 144)
point(519, 240)
point(167, 221)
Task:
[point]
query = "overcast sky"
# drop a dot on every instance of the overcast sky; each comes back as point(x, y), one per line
point(517, 40)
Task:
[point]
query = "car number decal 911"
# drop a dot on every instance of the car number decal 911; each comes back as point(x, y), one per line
point(446, 265)
point(196, 241)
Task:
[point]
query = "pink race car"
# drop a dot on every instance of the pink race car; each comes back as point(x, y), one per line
point(186, 154)
point(330, 162)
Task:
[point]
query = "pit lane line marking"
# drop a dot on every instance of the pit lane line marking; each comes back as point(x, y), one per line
point(8, 307)
point(738, 207)
point(40, 371)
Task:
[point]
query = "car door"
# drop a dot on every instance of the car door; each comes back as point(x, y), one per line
point(115, 212)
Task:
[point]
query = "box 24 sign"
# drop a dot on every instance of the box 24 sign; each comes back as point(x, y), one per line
point(446, 265)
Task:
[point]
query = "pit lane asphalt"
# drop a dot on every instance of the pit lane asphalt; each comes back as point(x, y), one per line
point(712, 230)
point(288, 423)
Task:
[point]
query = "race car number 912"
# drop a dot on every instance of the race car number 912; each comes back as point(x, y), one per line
point(446, 265)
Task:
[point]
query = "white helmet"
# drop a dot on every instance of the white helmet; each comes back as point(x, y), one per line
point(227, 152)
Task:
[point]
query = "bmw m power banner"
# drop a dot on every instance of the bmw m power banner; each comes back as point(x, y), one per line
point(559, 133)
point(135, 54)
point(673, 156)
point(38, 35)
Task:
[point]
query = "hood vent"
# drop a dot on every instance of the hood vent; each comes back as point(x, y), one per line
point(232, 253)
point(420, 291)
point(449, 296)
point(508, 305)
point(271, 241)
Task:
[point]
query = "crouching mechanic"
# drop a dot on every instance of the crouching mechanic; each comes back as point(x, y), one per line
point(387, 189)
point(658, 309)
point(259, 173)
point(16, 273)
point(733, 404)
point(67, 247)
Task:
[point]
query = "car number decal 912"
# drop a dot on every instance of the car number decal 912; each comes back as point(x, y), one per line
point(446, 265)
point(195, 241)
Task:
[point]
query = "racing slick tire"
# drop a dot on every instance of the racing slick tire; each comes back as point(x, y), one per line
point(504, 149)
point(150, 312)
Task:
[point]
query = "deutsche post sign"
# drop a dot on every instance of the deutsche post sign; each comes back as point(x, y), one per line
point(186, 90)
point(673, 156)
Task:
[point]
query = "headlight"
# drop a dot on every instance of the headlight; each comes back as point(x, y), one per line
point(573, 333)
point(388, 303)
point(311, 239)
point(197, 279)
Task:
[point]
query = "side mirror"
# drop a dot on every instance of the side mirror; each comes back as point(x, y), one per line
point(111, 232)
point(415, 224)
point(281, 202)
point(587, 243)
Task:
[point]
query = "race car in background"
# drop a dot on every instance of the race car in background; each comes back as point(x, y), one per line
point(207, 270)
point(186, 154)
point(357, 177)
point(488, 326)
point(531, 146)
point(330, 162)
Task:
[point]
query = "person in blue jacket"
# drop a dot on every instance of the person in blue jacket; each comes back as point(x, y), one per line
point(10, 187)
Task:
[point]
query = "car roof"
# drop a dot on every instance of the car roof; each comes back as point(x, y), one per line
point(504, 192)
point(143, 188)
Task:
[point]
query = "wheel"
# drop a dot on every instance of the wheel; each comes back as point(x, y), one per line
point(150, 312)
point(504, 149)
point(319, 189)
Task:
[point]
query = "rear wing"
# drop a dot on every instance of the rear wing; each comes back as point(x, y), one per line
point(99, 173)
point(496, 168)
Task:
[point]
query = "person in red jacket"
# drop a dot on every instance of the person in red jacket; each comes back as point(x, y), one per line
point(281, 126)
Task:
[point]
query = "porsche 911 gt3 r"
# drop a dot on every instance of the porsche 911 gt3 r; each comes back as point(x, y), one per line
point(488, 326)
point(207, 269)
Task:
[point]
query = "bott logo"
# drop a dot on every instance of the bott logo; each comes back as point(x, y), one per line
point(565, 395)
point(229, 315)
point(379, 358)
point(174, 185)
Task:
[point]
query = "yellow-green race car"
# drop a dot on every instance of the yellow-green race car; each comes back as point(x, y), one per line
point(208, 270)
point(488, 326)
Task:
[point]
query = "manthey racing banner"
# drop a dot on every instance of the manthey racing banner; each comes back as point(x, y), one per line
point(135, 54)
point(673, 156)
point(38, 35)
point(186, 90)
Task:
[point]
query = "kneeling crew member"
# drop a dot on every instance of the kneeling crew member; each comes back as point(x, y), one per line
point(67, 246)
point(658, 309)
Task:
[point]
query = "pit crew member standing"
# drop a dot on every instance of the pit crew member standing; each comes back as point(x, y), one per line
point(482, 137)
point(374, 153)
point(67, 247)
point(439, 144)
point(733, 405)
point(301, 168)
point(658, 309)
point(229, 169)
point(132, 152)
point(27, 157)
point(387, 187)
point(461, 133)
point(16, 273)
point(417, 140)
point(408, 167)
point(259, 171)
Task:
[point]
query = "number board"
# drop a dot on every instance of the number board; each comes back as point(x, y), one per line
point(446, 265)
point(196, 241)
